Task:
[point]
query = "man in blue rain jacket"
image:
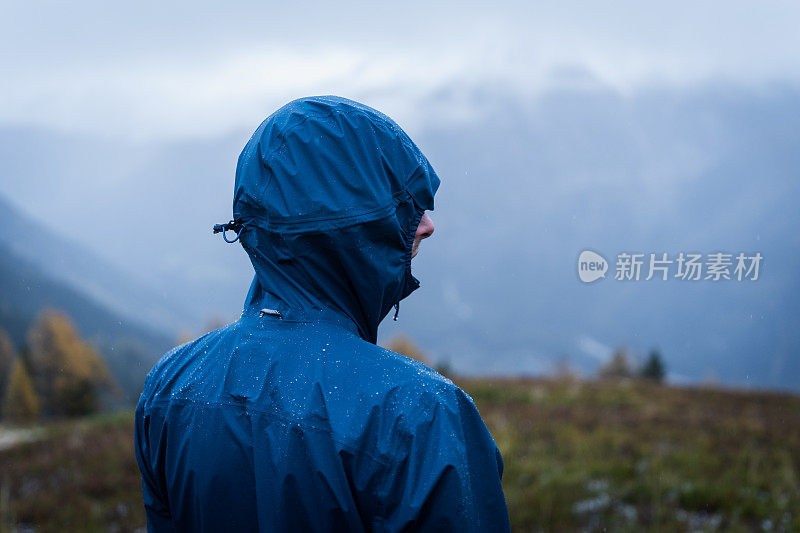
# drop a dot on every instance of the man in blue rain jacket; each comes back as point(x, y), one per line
point(291, 418)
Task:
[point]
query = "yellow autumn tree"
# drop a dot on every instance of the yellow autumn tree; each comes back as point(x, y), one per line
point(7, 357)
point(404, 346)
point(67, 372)
point(20, 403)
point(618, 367)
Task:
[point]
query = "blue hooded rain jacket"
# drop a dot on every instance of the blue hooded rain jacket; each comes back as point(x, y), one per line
point(291, 418)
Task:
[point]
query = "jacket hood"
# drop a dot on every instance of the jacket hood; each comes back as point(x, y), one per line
point(328, 196)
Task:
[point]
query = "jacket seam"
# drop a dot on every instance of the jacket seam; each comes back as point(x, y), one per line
point(299, 219)
point(269, 414)
point(296, 321)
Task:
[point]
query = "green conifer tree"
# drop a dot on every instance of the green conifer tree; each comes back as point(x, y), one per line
point(654, 368)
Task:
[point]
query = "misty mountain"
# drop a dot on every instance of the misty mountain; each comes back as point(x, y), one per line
point(26, 288)
point(146, 210)
point(528, 182)
point(76, 265)
point(531, 186)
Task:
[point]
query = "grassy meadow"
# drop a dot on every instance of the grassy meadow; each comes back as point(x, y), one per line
point(579, 456)
point(634, 456)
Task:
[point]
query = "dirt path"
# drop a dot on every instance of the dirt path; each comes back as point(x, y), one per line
point(12, 437)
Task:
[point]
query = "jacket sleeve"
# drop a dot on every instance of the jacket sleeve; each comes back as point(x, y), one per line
point(155, 503)
point(446, 471)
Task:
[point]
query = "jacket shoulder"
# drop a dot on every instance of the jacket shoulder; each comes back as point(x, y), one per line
point(412, 390)
point(403, 371)
point(171, 362)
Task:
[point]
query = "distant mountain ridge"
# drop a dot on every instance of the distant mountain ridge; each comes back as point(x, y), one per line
point(28, 286)
point(64, 259)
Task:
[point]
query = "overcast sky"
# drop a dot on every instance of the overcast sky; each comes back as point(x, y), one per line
point(158, 70)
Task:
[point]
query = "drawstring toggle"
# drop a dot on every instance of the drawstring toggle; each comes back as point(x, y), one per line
point(232, 226)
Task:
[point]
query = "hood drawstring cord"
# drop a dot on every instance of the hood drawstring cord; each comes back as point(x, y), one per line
point(233, 226)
